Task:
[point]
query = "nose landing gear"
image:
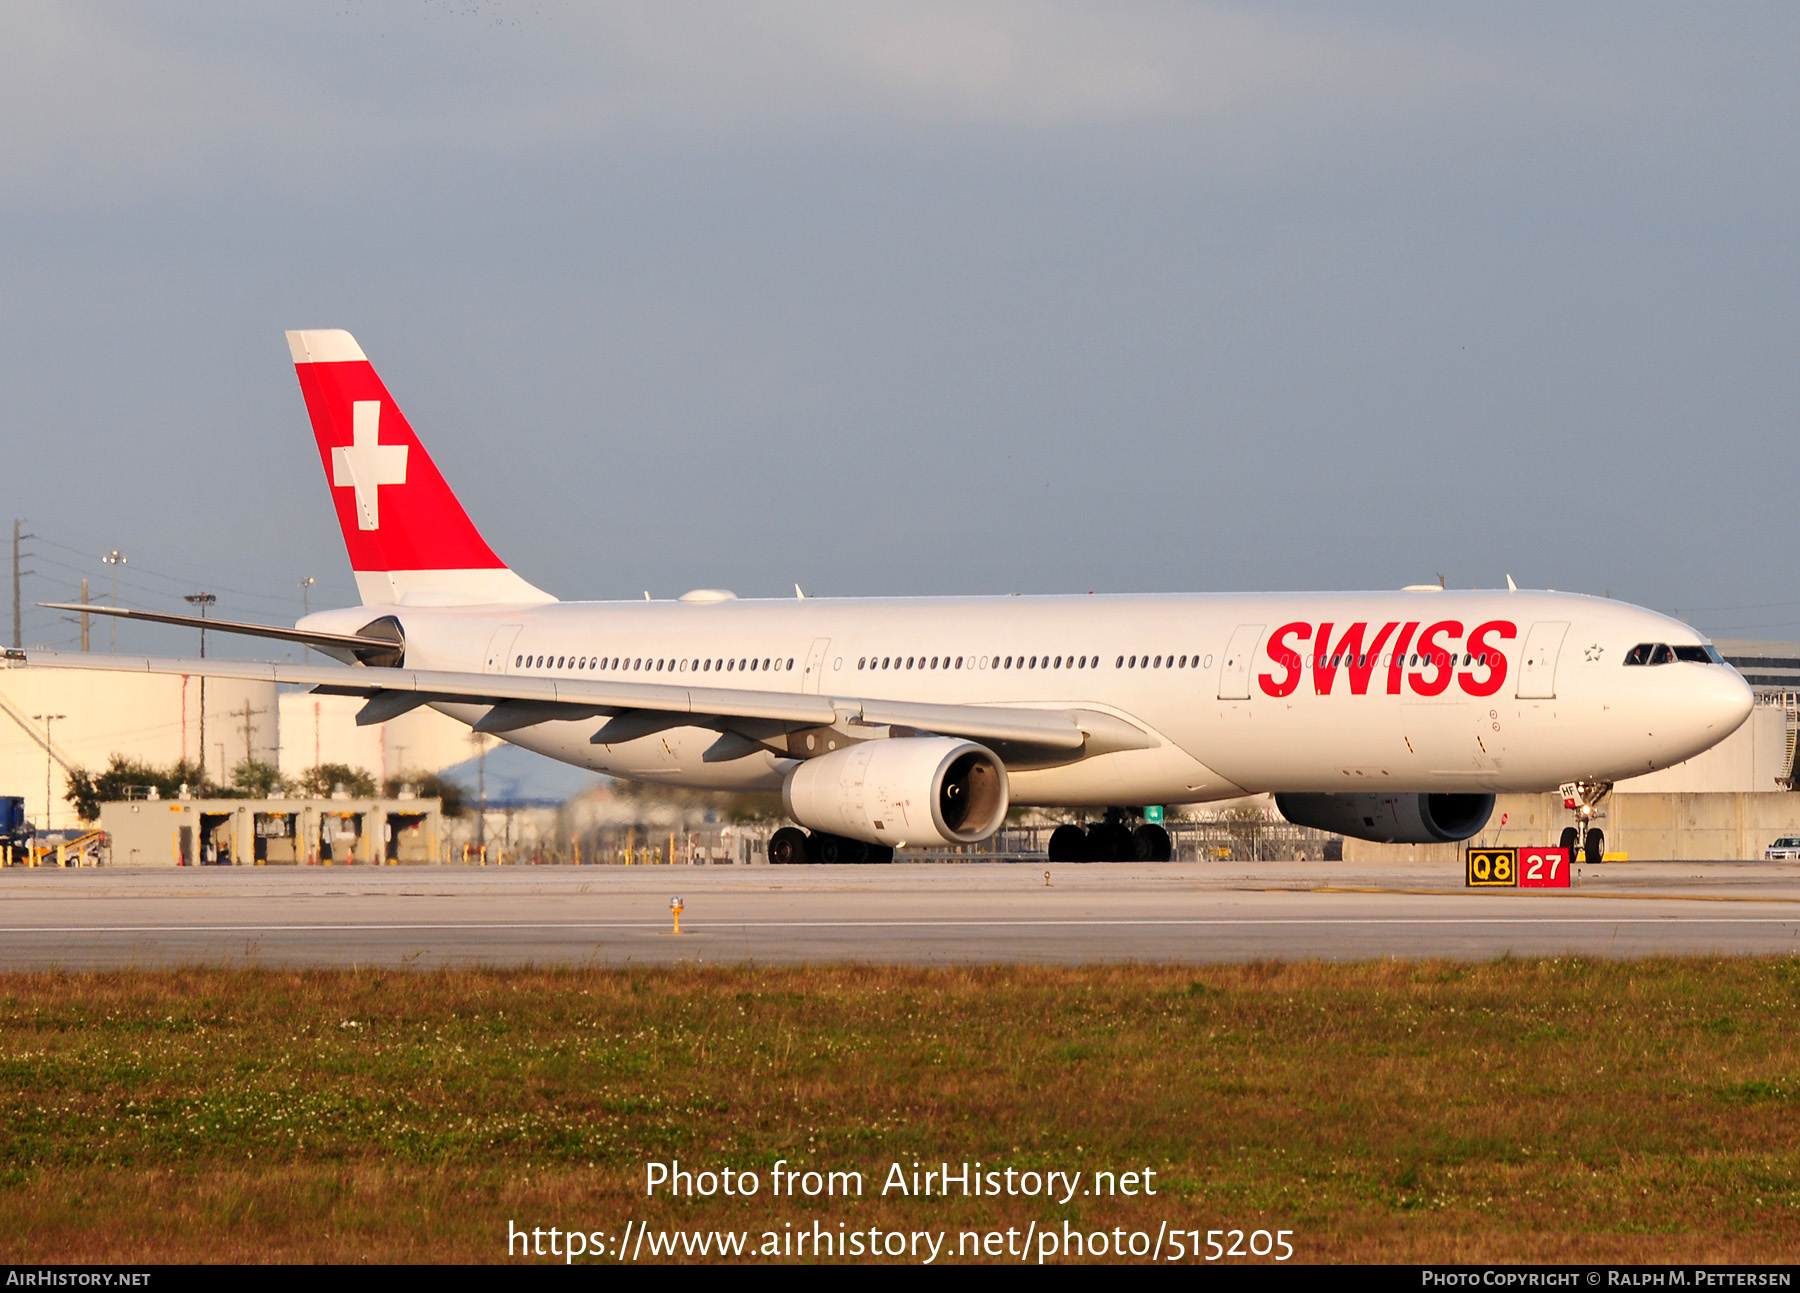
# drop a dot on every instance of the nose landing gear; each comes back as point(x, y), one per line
point(1585, 841)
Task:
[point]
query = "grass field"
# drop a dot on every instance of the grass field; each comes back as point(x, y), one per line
point(1547, 1110)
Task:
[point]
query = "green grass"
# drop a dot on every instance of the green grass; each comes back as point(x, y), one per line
point(1548, 1110)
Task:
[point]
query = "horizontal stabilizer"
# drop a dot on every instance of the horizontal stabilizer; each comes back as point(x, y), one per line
point(334, 643)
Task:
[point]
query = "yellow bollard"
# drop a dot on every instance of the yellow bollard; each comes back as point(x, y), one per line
point(675, 905)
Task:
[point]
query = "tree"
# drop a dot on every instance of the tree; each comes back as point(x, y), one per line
point(428, 785)
point(258, 780)
point(125, 778)
point(323, 780)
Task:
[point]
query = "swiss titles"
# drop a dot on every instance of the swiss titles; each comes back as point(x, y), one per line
point(1362, 658)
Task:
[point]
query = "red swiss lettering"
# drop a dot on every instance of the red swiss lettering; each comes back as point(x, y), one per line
point(1284, 655)
point(1357, 662)
point(1495, 660)
point(1399, 661)
point(1436, 657)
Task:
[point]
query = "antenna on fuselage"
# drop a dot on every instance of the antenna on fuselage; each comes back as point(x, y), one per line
point(799, 596)
point(1511, 587)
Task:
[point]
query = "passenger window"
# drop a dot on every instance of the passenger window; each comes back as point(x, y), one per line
point(959, 661)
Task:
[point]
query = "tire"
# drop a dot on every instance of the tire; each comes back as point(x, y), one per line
point(880, 854)
point(1571, 840)
point(1151, 843)
point(1110, 842)
point(1595, 849)
point(787, 847)
point(1068, 844)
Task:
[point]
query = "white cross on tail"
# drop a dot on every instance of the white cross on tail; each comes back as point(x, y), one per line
point(367, 463)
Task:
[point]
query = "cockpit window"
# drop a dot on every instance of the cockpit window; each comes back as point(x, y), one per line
point(1699, 655)
point(1662, 653)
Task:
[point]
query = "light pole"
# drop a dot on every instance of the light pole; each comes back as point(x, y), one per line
point(47, 719)
point(115, 559)
point(202, 600)
point(306, 587)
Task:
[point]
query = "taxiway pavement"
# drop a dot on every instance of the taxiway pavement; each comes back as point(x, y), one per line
point(912, 914)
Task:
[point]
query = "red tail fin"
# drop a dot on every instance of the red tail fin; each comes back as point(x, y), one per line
point(408, 537)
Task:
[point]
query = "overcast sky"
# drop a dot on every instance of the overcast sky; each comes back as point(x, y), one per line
point(918, 297)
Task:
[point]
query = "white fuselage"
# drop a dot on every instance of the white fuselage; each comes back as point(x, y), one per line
point(1230, 704)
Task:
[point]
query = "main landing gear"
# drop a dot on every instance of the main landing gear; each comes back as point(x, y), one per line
point(790, 846)
point(1111, 840)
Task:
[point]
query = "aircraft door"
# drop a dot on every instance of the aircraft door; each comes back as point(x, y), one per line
point(499, 652)
point(815, 667)
point(1234, 673)
point(1537, 670)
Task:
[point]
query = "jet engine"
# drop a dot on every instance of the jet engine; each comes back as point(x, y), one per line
point(1391, 819)
point(901, 790)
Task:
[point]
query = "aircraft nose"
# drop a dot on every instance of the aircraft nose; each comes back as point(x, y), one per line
point(1726, 702)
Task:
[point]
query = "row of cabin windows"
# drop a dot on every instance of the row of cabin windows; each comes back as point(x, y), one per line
point(643, 664)
point(957, 662)
point(1442, 659)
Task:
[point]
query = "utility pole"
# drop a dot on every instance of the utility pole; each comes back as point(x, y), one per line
point(84, 617)
point(46, 720)
point(18, 536)
point(203, 600)
point(246, 713)
point(115, 559)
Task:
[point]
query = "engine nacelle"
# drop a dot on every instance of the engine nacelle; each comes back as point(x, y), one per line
point(1391, 819)
point(901, 790)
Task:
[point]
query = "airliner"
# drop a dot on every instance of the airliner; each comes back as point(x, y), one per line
point(883, 722)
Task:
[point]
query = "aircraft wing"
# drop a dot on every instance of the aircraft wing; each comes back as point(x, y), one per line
point(636, 709)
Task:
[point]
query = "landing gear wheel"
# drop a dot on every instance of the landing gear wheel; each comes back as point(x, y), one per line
point(1110, 842)
point(1596, 848)
point(1150, 843)
point(835, 850)
point(880, 854)
point(1571, 840)
point(787, 847)
point(1068, 844)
